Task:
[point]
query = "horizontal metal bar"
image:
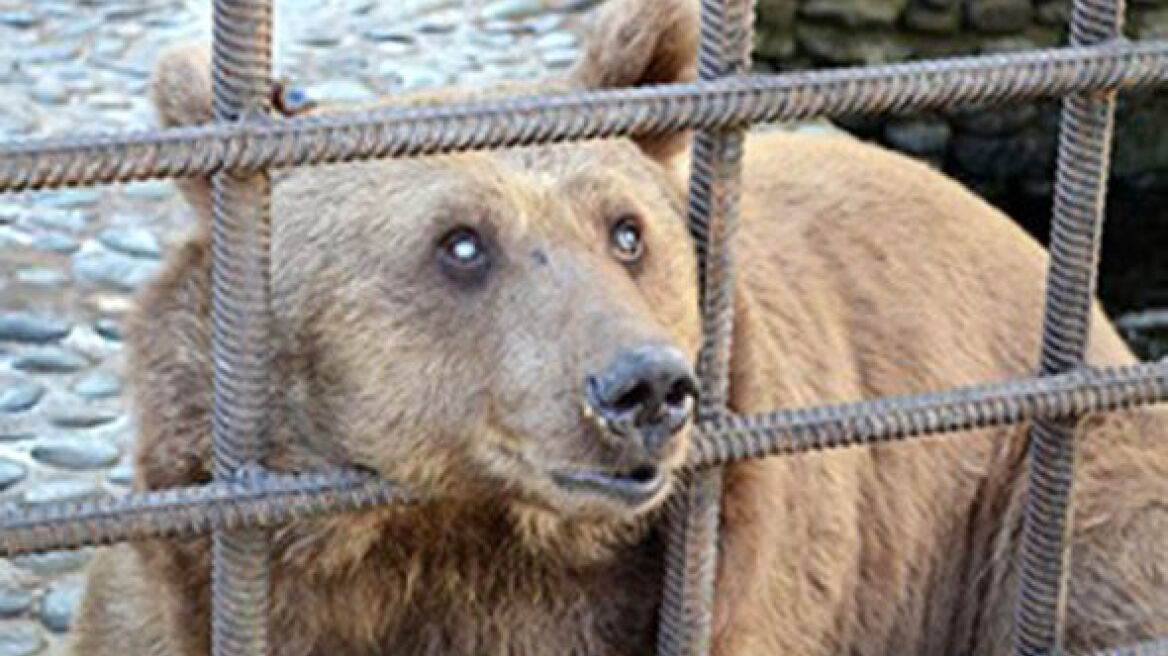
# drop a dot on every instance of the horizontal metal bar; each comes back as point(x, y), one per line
point(724, 103)
point(272, 499)
point(786, 432)
point(258, 501)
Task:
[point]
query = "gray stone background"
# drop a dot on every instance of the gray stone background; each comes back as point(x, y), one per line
point(1006, 154)
point(70, 261)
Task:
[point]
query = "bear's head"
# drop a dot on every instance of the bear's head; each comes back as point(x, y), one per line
point(515, 325)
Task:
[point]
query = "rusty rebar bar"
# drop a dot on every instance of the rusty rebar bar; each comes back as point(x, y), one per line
point(686, 614)
point(270, 499)
point(263, 501)
point(241, 333)
point(408, 131)
point(1080, 188)
point(864, 423)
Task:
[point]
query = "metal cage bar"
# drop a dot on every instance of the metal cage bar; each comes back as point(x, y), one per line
point(241, 325)
point(788, 432)
point(686, 614)
point(271, 499)
point(736, 101)
point(1080, 188)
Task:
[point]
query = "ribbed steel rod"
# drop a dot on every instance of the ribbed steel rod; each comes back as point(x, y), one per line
point(788, 432)
point(686, 615)
point(271, 499)
point(241, 333)
point(1080, 188)
point(76, 160)
point(264, 501)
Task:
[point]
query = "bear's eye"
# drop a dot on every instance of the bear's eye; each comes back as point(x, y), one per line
point(463, 254)
point(627, 243)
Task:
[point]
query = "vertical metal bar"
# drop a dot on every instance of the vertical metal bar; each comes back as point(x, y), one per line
point(241, 326)
point(691, 549)
point(1081, 186)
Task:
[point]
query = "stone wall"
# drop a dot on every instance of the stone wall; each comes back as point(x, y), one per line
point(996, 151)
point(1005, 153)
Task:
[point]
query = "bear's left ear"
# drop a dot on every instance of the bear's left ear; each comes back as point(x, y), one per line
point(181, 92)
point(641, 42)
point(182, 96)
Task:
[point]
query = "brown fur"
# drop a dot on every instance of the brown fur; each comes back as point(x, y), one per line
point(862, 274)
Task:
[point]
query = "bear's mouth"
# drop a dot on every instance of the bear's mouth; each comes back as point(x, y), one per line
point(635, 487)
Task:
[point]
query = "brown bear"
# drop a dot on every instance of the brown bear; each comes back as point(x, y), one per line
point(510, 334)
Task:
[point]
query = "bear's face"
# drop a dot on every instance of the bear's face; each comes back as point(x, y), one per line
point(514, 324)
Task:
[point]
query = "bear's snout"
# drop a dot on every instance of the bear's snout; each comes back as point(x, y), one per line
point(646, 393)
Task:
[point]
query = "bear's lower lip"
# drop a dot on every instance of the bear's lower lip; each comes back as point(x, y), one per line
point(635, 487)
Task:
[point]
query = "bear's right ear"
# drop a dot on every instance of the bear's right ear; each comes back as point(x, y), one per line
point(181, 93)
point(641, 42)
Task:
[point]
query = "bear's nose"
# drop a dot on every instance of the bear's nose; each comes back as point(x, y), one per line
point(648, 390)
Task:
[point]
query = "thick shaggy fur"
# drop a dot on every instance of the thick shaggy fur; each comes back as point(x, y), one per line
point(861, 273)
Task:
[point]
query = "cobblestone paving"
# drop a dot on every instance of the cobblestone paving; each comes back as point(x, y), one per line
point(71, 260)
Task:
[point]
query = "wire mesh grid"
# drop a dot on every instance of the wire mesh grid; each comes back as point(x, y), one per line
point(244, 499)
